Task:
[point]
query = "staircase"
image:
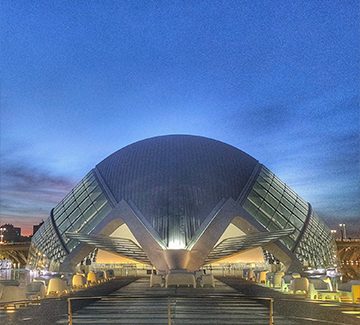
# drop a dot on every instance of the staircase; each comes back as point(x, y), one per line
point(139, 304)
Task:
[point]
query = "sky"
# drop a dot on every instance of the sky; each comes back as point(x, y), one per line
point(81, 79)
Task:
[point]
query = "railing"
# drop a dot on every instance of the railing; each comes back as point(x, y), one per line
point(348, 240)
point(18, 303)
point(269, 301)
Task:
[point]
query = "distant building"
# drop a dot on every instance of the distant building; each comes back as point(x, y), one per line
point(11, 233)
point(36, 227)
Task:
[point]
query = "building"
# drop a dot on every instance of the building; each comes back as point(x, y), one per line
point(37, 227)
point(168, 201)
point(10, 233)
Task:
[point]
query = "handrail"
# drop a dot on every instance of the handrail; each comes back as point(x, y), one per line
point(169, 315)
point(19, 302)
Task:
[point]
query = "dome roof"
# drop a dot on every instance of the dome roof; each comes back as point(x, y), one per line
point(176, 180)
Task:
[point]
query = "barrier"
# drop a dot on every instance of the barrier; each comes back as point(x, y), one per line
point(171, 302)
point(78, 281)
point(57, 287)
point(91, 278)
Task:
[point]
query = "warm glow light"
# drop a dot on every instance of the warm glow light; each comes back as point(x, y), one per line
point(329, 305)
point(351, 312)
point(176, 245)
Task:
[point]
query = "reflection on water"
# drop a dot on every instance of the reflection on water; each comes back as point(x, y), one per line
point(350, 272)
point(23, 276)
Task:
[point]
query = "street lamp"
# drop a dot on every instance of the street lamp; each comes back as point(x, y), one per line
point(2, 235)
point(343, 230)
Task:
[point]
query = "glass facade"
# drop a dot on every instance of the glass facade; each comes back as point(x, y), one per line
point(80, 211)
point(175, 183)
point(275, 206)
point(46, 250)
point(317, 246)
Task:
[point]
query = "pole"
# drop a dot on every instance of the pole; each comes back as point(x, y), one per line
point(69, 312)
point(169, 312)
point(271, 312)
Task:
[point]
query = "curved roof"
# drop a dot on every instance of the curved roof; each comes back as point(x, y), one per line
point(176, 180)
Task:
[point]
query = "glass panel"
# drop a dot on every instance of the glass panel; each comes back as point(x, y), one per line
point(279, 219)
point(96, 219)
point(99, 202)
point(89, 213)
point(91, 186)
point(262, 218)
point(278, 187)
point(81, 196)
point(296, 222)
point(267, 209)
point(272, 226)
point(275, 193)
point(303, 205)
point(58, 209)
point(85, 204)
point(284, 211)
point(255, 198)
point(95, 193)
point(263, 182)
point(288, 242)
point(273, 201)
point(64, 226)
point(74, 215)
point(287, 194)
point(288, 204)
point(299, 214)
point(250, 207)
point(71, 207)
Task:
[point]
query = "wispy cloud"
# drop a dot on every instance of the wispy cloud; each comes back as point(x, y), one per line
point(313, 145)
point(28, 191)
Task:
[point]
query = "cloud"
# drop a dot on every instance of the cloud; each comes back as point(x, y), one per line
point(313, 145)
point(29, 191)
point(352, 225)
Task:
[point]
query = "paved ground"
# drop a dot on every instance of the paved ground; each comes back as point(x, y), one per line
point(298, 308)
point(219, 305)
point(128, 301)
point(51, 310)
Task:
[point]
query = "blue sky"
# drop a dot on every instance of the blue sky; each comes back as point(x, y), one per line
point(277, 79)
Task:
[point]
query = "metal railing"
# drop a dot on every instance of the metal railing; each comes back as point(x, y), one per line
point(19, 303)
point(269, 301)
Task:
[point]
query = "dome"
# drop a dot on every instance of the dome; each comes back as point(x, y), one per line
point(177, 195)
point(176, 180)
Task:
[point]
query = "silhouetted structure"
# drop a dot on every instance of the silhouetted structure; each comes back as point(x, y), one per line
point(36, 227)
point(11, 233)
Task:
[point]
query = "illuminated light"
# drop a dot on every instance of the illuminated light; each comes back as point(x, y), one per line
point(176, 245)
point(329, 305)
point(351, 312)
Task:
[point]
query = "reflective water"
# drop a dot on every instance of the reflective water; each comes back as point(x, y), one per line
point(350, 272)
point(23, 276)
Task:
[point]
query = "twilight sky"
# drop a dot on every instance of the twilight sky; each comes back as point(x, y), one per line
point(277, 79)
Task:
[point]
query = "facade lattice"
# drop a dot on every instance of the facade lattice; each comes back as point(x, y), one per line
point(177, 186)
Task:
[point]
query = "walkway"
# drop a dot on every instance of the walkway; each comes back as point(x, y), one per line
point(297, 308)
point(125, 301)
point(219, 305)
point(49, 311)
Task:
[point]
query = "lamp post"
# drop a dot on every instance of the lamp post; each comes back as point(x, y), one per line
point(333, 232)
point(343, 230)
point(2, 235)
